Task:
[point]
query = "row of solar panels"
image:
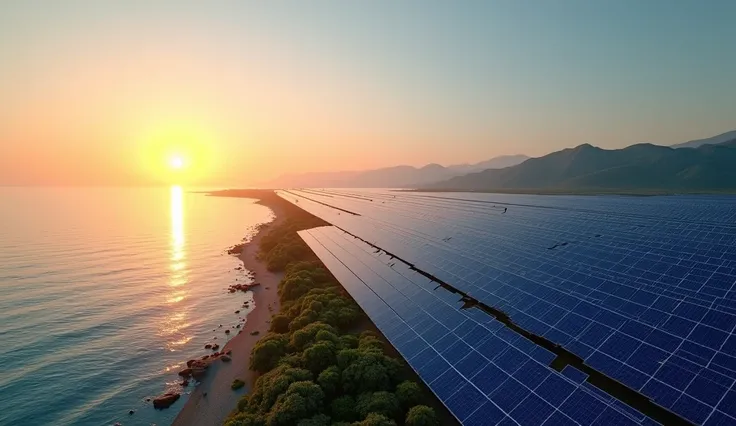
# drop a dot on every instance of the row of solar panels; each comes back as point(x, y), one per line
point(660, 324)
point(484, 373)
point(698, 208)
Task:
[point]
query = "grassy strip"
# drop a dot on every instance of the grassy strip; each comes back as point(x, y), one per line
point(314, 368)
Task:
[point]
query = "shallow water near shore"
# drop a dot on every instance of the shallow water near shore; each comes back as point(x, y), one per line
point(105, 293)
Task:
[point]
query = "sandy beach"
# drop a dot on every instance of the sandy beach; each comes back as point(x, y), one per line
point(212, 400)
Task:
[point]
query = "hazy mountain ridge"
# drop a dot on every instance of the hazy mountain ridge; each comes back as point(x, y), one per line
point(391, 177)
point(642, 167)
point(724, 137)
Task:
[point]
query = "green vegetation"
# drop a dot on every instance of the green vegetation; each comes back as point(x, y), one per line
point(314, 369)
point(237, 384)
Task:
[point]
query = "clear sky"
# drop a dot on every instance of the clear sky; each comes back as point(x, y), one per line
point(107, 92)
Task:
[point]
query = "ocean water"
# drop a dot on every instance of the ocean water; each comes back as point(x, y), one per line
point(104, 295)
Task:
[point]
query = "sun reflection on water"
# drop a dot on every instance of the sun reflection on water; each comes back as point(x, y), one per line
point(176, 322)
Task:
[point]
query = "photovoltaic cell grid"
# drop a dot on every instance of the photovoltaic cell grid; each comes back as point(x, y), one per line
point(632, 285)
point(484, 373)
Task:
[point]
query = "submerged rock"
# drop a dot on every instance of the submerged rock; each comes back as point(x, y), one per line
point(227, 331)
point(215, 347)
point(208, 346)
point(225, 358)
point(165, 400)
point(185, 372)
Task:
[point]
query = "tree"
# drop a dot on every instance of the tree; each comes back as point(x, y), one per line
point(246, 419)
point(370, 343)
point(329, 380)
point(280, 324)
point(302, 400)
point(382, 402)
point(375, 419)
point(318, 420)
point(305, 336)
point(343, 409)
point(409, 394)
point(348, 341)
point(267, 352)
point(421, 415)
point(367, 372)
point(271, 385)
point(295, 285)
point(326, 336)
point(319, 356)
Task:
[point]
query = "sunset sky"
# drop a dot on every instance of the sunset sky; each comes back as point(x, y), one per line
point(108, 92)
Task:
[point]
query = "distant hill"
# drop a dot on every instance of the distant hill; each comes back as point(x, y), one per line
point(725, 137)
point(390, 177)
point(642, 167)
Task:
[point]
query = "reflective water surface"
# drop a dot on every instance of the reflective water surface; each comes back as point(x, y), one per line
point(105, 293)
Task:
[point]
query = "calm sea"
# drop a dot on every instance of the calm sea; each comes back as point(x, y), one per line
point(104, 295)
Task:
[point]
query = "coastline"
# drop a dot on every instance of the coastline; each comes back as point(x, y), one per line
point(220, 399)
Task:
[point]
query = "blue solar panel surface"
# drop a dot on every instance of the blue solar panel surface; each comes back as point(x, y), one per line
point(640, 288)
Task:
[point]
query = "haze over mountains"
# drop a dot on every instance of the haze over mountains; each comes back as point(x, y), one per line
point(724, 137)
point(703, 165)
point(638, 168)
point(391, 177)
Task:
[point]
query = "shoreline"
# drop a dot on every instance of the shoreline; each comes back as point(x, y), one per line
point(212, 400)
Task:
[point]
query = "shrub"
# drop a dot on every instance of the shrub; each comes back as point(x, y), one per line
point(279, 324)
point(384, 403)
point(409, 394)
point(272, 384)
point(301, 400)
point(375, 419)
point(267, 352)
point(318, 420)
point(421, 415)
point(319, 356)
point(329, 380)
point(246, 419)
point(343, 409)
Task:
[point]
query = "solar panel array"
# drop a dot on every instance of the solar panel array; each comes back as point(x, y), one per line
point(640, 288)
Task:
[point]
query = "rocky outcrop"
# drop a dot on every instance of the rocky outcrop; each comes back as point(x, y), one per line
point(243, 287)
point(236, 249)
point(165, 400)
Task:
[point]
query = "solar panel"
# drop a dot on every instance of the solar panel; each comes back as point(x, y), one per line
point(466, 364)
point(639, 288)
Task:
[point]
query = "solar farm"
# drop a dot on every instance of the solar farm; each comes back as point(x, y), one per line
point(546, 310)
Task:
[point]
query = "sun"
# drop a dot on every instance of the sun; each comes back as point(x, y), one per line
point(176, 162)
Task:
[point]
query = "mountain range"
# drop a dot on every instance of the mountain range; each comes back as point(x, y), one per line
point(700, 165)
point(391, 177)
point(638, 168)
point(724, 137)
